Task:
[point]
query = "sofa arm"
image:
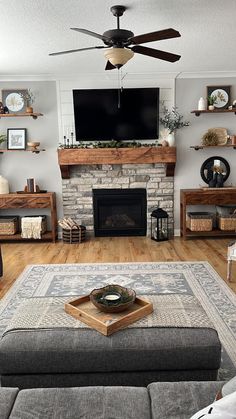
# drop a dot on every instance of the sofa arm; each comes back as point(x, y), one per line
point(7, 399)
point(180, 400)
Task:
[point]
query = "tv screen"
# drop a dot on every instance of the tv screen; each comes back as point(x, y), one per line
point(114, 114)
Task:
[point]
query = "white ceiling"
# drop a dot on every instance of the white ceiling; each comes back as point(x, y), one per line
point(31, 29)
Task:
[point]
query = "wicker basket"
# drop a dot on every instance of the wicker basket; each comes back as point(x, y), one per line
point(227, 222)
point(199, 221)
point(8, 225)
point(44, 221)
point(74, 236)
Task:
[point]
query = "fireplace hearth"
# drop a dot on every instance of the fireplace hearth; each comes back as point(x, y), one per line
point(120, 212)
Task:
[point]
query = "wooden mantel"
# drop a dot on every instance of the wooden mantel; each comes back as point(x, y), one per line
point(141, 155)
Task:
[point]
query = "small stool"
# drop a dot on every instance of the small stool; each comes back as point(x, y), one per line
point(230, 257)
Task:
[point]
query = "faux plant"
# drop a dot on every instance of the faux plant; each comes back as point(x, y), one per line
point(173, 120)
point(28, 97)
point(3, 138)
point(212, 99)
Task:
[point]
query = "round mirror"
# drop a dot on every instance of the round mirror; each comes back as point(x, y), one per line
point(213, 167)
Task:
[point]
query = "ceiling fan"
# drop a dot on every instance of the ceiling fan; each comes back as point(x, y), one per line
point(121, 44)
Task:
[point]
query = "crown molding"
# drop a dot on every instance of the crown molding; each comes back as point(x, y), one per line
point(205, 74)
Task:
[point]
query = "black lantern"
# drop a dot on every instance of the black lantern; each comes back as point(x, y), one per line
point(159, 225)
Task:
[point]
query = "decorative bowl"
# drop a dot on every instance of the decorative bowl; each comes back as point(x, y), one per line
point(33, 144)
point(112, 298)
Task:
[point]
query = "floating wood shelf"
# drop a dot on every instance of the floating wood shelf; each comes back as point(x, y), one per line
point(198, 113)
point(200, 147)
point(141, 155)
point(34, 115)
point(28, 149)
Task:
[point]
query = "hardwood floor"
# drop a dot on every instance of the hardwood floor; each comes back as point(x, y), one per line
point(114, 249)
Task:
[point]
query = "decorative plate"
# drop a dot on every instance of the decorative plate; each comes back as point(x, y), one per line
point(13, 100)
point(221, 134)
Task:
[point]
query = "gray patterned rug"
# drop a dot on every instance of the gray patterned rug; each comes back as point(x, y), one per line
point(197, 279)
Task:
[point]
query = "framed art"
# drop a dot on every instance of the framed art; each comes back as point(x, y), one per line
point(221, 94)
point(13, 100)
point(16, 138)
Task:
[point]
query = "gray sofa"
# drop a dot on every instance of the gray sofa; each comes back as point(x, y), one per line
point(158, 401)
point(130, 357)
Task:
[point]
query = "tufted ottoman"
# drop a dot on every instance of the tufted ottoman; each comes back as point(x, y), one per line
point(84, 357)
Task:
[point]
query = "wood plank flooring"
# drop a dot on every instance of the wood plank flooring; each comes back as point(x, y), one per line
point(114, 249)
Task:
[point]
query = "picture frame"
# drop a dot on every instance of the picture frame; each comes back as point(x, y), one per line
point(16, 138)
point(12, 99)
point(223, 95)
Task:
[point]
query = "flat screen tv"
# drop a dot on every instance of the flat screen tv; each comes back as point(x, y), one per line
point(113, 114)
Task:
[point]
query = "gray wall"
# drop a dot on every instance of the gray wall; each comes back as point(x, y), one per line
point(17, 166)
point(189, 161)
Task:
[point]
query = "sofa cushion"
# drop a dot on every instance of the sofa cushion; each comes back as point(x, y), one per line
point(83, 403)
point(7, 398)
point(85, 350)
point(180, 400)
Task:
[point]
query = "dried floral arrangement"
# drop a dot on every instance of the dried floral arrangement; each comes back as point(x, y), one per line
point(210, 138)
point(109, 144)
point(173, 120)
point(28, 97)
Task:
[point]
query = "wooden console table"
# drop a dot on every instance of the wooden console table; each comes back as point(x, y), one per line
point(34, 200)
point(202, 196)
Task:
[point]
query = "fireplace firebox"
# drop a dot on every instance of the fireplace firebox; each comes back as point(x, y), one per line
point(120, 212)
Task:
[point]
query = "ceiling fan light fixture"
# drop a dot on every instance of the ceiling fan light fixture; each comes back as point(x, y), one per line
point(118, 56)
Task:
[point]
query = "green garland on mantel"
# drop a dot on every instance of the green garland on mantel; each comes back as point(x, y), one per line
point(109, 144)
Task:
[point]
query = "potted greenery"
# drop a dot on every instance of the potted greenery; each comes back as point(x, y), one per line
point(212, 99)
point(3, 138)
point(29, 98)
point(172, 120)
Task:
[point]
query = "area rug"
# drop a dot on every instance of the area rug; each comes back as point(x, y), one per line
point(185, 278)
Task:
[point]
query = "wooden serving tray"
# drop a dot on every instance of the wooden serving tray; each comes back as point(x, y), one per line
point(107, 323)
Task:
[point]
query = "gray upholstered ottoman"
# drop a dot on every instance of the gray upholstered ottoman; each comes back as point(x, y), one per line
point(130, 357)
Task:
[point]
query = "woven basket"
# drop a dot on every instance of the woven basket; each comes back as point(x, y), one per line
point(199, 221)
point(74, 236)
point(227, 223)
point(44, 222)
point(8, 226)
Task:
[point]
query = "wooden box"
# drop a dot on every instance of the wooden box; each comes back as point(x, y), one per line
point(107, 323)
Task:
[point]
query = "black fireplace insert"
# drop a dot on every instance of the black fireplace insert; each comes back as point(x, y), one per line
point(120, 212)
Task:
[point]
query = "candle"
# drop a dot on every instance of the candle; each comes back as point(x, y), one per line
point(112, 297)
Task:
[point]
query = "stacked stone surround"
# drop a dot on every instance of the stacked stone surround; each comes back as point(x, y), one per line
point(77, 191)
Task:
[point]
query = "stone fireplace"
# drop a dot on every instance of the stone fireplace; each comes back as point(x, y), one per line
point(77, 191)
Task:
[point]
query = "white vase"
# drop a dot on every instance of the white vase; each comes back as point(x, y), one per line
point(211, 107)
point(4, 185)
point(171, 139)
point(201, 104)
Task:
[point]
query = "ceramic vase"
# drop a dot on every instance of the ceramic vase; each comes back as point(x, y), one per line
point(201, 104)
point(29, 109)
point(211, 107)
point(171, 139)
point(4, 185)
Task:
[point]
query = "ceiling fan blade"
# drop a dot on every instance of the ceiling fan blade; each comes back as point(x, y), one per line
point(156, 53)
point(155, 36)
point(76, 50)
point(109, 66)
point(94, 34)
